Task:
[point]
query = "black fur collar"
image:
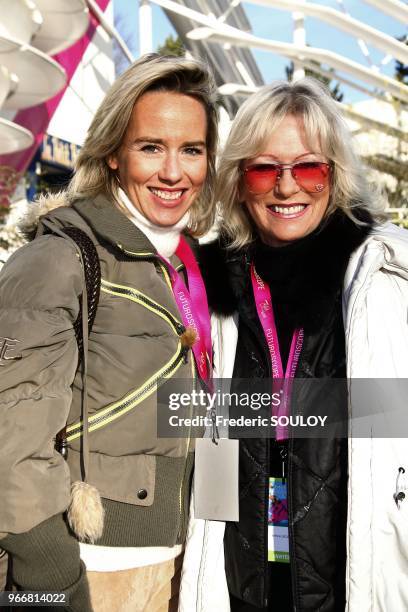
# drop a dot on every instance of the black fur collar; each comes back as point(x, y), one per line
point(304, 276)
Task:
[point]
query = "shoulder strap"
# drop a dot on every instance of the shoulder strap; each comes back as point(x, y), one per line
point(92, 271)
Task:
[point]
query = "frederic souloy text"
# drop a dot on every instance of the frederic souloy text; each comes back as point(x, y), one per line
point(203, 399)
point(256, 421)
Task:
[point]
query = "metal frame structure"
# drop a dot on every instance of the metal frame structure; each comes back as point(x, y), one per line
point(229, 63)
point(394, 8)
point(345, 22)
point(220, 31)
point(217, 31)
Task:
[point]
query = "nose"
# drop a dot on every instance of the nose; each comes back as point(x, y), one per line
point(171, 170)
point(286, 186)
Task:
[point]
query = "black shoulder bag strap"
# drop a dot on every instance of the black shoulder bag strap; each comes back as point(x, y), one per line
point(92, 271)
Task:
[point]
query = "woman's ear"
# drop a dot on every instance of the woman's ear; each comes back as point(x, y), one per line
point(112, 162)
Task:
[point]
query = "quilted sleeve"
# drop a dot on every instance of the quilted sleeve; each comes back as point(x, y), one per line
point(39, 301)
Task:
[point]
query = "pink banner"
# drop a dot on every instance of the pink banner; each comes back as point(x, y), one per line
point(37, 118)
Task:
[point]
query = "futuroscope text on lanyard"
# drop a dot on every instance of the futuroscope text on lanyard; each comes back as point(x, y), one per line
point(264, 307)
point(193, 306)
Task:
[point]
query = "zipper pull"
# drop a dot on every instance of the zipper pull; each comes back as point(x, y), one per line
point(187, 337)
point(180, 329)
point(284, 455)
point(61, 443)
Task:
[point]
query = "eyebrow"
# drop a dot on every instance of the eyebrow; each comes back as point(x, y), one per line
point(194, 143)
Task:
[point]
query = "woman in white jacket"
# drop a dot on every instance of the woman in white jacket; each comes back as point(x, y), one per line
point(297, 208)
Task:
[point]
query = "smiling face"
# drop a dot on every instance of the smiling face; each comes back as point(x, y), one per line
point(162, 161)
point(287, 212)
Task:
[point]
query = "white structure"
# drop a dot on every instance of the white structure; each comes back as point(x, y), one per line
point(30, 31)
point(92, 78)
point(386, 152)
point(379, 124)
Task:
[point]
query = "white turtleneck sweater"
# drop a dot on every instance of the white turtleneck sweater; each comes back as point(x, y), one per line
point(117, 558)
point(164, 239)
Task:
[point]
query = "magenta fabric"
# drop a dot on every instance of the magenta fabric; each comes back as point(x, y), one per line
point(37, 118)
point(283, 382)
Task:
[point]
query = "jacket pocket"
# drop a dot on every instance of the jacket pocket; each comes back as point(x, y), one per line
point(128, 479)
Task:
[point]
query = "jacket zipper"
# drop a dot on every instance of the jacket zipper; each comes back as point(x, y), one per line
point(137, 296)
point(295, 597)
point(150, 257)
point(200, 581)
point(131, 401)
point(186, 457)
point(106, 415)
point(256, 335)
point(295, 594)
point(180, 329)
point(295, 590)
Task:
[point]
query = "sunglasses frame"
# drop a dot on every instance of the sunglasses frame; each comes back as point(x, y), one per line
point(280, 168)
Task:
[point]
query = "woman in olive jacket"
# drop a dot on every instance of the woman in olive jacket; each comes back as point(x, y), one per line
point(143, 178)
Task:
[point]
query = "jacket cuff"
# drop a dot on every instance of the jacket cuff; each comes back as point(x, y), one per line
point(46, 558)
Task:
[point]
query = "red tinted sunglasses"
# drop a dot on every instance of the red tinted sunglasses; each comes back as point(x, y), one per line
point(312, 176)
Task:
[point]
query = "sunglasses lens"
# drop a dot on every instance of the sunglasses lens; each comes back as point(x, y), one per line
point(261, 178)
point(311, 176)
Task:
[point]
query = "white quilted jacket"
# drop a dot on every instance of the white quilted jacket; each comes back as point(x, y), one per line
point(375, 306)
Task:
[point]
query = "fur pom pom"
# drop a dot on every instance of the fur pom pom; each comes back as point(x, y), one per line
point(188, 337)
point(86, 513)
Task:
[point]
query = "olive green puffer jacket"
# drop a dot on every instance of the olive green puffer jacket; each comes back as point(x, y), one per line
point(144, 480)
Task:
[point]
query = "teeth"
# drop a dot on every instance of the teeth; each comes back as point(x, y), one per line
point(288, 210)
point(167, 195)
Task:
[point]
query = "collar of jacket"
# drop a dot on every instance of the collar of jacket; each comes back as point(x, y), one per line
point(313, 278)
point(110, 224)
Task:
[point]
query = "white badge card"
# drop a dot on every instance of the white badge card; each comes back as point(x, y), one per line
point(216, 480)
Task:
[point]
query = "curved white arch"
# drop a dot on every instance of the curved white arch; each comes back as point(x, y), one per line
point(221, 32)
point(336, 61)
point(348, 24)
point(396, 9)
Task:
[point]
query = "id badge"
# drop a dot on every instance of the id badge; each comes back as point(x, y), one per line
point(278, 523)
point(216, 480)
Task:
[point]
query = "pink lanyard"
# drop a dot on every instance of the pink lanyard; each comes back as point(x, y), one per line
point(264, 307)
point(193, 307)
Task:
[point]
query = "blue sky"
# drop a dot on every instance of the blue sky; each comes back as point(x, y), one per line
point(277, 24)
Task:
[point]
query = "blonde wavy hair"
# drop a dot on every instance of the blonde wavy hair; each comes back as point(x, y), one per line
point(251, 129)
point(150, 73)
